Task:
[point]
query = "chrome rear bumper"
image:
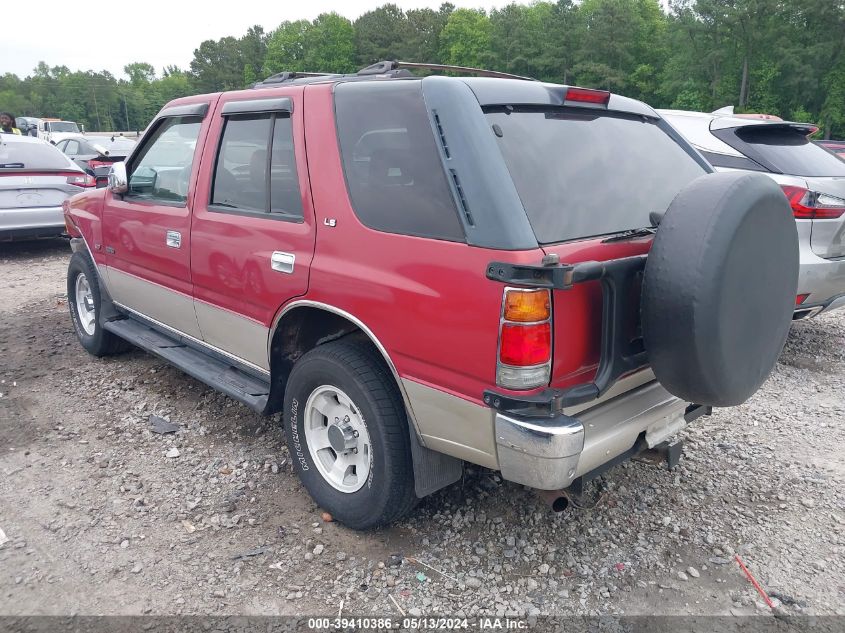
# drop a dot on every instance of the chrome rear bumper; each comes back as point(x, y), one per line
point(550, 453)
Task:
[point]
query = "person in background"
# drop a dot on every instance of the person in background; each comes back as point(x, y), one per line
point(7, 124)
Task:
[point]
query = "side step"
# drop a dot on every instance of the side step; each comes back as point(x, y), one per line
point(223, 377)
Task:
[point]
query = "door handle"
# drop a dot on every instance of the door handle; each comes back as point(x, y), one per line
point(282, 262)
point(174, 239)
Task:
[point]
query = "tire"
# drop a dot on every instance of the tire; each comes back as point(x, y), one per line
point(348, 380)
point(82, 279)
point(719, 288)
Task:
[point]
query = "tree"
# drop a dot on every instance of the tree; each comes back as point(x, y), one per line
point(380, 34)
point(286, 48)
point(330, 45)
point(465, 40)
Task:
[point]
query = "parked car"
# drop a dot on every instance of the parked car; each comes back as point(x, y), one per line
point(810, 176)
point(835, 147)
point(95, 154)
point(422, 272)
point(35, 178)
point(55, 130)
point(27, 125)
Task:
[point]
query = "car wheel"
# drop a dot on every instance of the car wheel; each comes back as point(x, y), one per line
point(347, 433)
point(84, 301)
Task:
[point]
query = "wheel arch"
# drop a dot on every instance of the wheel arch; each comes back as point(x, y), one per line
point(304, 324)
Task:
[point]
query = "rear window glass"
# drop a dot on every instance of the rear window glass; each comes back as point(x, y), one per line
point(393, 170)
point(20, 155)
point(790, 151)
point(582, 174)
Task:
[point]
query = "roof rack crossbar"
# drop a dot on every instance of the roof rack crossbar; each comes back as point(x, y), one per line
point(386, 66)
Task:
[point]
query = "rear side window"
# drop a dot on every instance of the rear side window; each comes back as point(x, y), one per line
point(392, 165)
point(788, 151)
point(20, 155)
point(731, 162)
point(256, 167)
point(582, 174)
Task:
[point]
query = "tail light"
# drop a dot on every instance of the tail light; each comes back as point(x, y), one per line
point(812, 205)
point(588, 95)
point(82, 180)
point(525, 339)
point(799, 299)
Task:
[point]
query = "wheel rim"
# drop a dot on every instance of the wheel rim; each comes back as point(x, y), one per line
point(337, 439)
point(85, 304)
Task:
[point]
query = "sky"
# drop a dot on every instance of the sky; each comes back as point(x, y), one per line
point(108, 34)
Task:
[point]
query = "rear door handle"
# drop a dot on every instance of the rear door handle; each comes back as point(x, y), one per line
point(282, 262)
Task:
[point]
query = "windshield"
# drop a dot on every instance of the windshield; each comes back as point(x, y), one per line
point(582, 174)
point(63, 126)
point(20, 155)
point(789, 151)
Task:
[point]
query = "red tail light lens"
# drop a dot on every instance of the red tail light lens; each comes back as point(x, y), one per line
point(588, 95)
point(82, 180)
point(812, 205)
point(525, 345)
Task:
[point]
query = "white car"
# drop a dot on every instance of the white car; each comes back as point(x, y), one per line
point(812, 178)
point(35, 178)
point(55, 131)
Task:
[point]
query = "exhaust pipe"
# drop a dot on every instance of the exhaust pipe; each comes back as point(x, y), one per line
point(557, 500)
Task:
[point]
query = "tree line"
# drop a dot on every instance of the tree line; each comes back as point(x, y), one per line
point(783, 57)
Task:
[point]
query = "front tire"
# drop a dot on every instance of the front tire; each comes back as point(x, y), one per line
point(348, 434)
point(84, 302)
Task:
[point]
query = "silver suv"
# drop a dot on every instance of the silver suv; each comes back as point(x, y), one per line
point(812, 178)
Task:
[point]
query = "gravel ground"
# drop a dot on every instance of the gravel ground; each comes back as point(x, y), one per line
point(104, 516)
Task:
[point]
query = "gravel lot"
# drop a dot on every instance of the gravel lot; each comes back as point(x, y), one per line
point(104, 516)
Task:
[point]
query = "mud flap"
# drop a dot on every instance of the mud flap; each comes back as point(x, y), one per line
point(432, 470)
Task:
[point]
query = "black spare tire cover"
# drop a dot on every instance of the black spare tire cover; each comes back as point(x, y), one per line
point(719, 288)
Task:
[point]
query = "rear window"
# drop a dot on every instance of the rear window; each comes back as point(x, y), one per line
point(20, 155)
point(582, 174)
point(788, 151)
point(393, 170)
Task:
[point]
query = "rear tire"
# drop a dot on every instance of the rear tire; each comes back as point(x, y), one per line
point(85, 304)
point(361, 470)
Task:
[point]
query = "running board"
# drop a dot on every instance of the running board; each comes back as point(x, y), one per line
point(223, 377)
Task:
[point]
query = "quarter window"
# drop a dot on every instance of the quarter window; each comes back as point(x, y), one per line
point(162, 170)
point(392, 164)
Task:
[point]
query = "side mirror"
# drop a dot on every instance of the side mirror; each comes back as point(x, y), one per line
point(118, 182)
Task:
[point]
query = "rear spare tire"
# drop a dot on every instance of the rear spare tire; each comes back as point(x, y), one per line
point(719, 288)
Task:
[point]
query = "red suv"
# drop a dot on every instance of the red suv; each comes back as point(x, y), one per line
point(421, 272)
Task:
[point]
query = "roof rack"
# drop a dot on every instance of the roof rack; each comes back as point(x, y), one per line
point(380, 68)
point(383, 69)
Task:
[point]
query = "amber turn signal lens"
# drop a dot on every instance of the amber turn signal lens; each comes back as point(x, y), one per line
point(525, 306)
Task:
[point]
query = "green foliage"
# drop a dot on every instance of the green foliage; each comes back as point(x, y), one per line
point(776, 56)
point(465, 40)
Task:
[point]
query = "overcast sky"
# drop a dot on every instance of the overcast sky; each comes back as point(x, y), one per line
point(108, 34)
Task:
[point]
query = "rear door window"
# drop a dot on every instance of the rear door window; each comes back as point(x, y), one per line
point(256, 167)
point(788, 151)
point(393, 170)
point(582, 174)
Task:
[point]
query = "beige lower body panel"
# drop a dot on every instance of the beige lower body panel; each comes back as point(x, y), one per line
point(454, 426)
point(167, 306)
point(244, 338)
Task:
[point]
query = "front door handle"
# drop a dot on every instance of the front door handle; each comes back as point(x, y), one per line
point(174, 239)
point(282, 262)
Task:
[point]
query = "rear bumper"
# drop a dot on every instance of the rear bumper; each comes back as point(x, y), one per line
point(550, 453)
point(823, 279)
point(31, 222)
